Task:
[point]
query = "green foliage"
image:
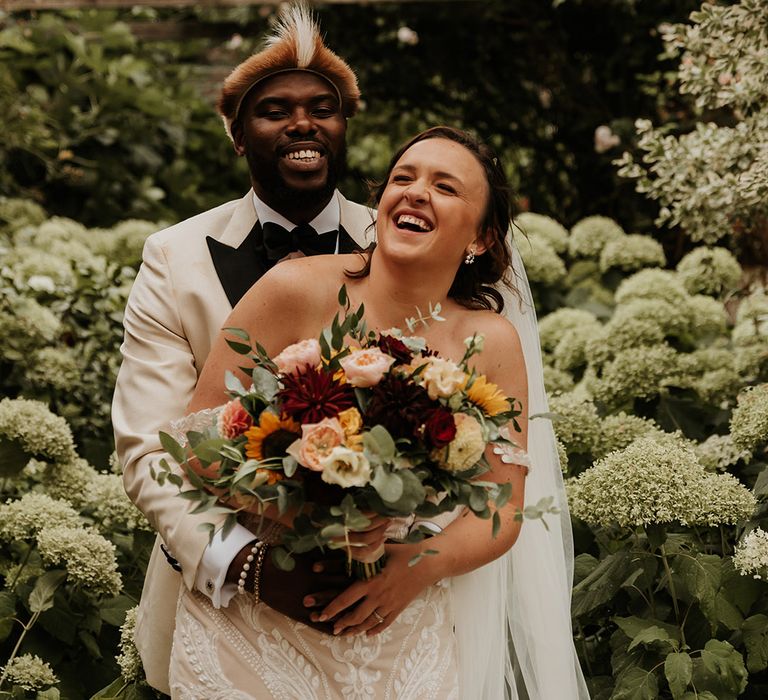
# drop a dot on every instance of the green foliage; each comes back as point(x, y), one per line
point(98, 126)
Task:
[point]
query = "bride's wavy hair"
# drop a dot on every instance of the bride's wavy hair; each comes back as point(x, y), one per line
point(473, 286)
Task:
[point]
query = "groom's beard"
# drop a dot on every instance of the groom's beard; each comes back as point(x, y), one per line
point(266, 173)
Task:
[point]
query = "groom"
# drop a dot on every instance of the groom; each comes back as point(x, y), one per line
point(285, 109)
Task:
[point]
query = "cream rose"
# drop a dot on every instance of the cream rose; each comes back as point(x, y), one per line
point(296, 356)
point(345, 468)
point(364, 368)
point(318, 440)
point(441, 378)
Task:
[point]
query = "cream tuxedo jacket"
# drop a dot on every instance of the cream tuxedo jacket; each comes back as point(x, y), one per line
point(175, 309)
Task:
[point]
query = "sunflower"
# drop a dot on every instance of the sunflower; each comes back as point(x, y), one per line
point(487, 396)
point(271, 437)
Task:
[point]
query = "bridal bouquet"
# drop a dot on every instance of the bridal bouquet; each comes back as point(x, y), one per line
point(352, 423)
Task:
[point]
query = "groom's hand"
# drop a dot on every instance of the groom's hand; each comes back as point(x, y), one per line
point(317, 578)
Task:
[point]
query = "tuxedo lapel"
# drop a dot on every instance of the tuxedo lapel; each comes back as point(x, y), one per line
point(238, 268)
point(347, 244)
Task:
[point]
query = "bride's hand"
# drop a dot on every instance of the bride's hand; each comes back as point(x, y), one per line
point(387, 593)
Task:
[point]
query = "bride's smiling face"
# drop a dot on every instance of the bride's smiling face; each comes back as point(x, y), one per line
point(433, 205)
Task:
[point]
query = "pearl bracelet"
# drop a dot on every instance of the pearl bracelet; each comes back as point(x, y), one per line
point(257, 546)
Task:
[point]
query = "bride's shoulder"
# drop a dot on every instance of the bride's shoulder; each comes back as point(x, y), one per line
point(495, 327)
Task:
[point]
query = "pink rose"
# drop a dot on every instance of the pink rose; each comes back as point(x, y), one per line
point(364, 368)
point(233, 420)
point(317, 442)
point(296, 356)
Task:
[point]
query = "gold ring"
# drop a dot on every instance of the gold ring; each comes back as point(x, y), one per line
point(378, 617)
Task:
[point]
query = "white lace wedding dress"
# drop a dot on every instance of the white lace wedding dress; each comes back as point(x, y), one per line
point(249, 651)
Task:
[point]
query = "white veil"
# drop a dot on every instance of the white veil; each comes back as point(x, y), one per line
point(513, 616)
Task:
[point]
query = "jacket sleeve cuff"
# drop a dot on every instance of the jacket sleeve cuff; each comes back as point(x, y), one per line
point(216, 560)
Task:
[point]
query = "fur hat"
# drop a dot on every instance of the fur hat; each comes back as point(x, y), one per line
point(295, 45)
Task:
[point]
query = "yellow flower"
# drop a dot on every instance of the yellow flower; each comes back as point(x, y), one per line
point(269, 424)
point(487, 396)
point(351, 421)
point(465, 449)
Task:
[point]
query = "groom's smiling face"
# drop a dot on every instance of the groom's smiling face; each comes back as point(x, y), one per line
point(292, 132)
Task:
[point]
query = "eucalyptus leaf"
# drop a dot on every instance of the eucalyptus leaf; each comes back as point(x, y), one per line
point(233, 383)
point(389, 485)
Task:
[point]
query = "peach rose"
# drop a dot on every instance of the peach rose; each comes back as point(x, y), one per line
point(296, 356)
point(442, 378)
point(364, 368)
point(317, 442)
point(233, 420)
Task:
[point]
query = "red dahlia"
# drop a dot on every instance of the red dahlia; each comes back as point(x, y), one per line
point(394, 347)
point(399, 405)
point(310, 395)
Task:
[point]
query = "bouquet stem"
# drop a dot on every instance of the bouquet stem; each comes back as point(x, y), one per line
point(366, 570)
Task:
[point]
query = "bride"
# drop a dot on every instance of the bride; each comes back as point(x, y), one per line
point(484, 617)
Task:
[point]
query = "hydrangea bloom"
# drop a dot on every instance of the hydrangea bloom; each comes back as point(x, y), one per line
point(24, 326)
point(653, 283)
point(575, 421)
point(632, 252)
point(590, 235)
point(751, 555)
point(30, 672)
point(25, 262)
point(653, 481)
point(542, 263)
point(751, 332)
point(562, 455)
point(17, 213)
point(70, 481)
point(553, 326)
point(57, 368)
point(637, 373)
point(718, 452)
point(673, 320)
point(712, 271)
point(752, 360)
point(570, 352)
point(753, 307)
point(24, 518)
point(749, 420)
point(619, 431)
point(39, 431)
point(543, 227)
point(711, 372)
point(110, 506)
point(88, 558)
point(622, 333)
point(708, 317)
point(556, 381)
point(128, 659)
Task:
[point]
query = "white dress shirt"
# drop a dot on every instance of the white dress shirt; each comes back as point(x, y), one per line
point(219, 554)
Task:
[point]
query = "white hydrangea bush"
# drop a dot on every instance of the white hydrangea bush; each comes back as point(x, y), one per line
point(713, 181)
point(656, 376)
point(63, 289)
point(70, 538)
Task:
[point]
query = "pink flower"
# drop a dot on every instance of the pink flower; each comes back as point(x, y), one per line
point(317, 442)
point(233, 420)
point(296, 356)
point(364, 368)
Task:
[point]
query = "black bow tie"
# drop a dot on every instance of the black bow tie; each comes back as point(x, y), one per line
point(278, 242)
